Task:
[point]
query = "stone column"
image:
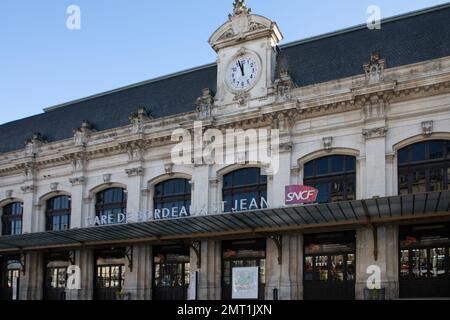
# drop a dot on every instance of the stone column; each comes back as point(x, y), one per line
point(30, 220)
point(78, 214)
point(387, 259)
point(200, 187)
point(287, 277)
point(209, 274)
point(32, 280)
point(138, 280)
point(86, 261)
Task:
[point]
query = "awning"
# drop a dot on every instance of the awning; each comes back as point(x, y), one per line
point(375, 211)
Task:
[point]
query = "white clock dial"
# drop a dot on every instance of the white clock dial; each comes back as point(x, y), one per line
point(242, 73)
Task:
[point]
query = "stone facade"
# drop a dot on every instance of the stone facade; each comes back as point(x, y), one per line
point(370, 116)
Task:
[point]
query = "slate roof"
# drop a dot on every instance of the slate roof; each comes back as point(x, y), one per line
point(402, 40)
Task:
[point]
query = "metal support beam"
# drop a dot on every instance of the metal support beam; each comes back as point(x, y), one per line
point(23, 262)
point(72, 257)
point(129, 255)
point(375, 241)
point(197, 247)
point(278, 240)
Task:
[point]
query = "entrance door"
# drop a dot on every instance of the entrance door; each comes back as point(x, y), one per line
point(242, 254)
point(55, 277)
point(55, 283)
point(10, 279)
point(109, 274)
point(424, 262)
point(171, 273)
point(329, 266)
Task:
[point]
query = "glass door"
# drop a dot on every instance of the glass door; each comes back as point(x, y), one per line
point(329, 267)
point(171, 274)
point(10, 279)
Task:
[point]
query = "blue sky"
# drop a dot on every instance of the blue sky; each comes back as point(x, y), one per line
point(42, 63)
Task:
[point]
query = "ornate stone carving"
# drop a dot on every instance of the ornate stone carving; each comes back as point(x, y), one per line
point(107, 178)
point(134, 172)
point(77, 181)
point(29, 171)
point(32, 145)
point(8, 194)
point(375, 106)
point(78, 162)
point(81, 135)
point(374, 70)
point(284, 85)
point(28, 189)
point(427, 128)
point(241, 98)
point(375, 132)
point(286, 147)
point(54, 186)
point(135, 150)
point(168, 168)
point(204, 104)
point(327, 143)
point(227, 35)
point(239, 7)
point(138, 119)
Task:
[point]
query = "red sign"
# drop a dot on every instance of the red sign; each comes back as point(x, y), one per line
point(300, 194)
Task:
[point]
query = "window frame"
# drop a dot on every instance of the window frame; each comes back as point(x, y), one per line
point(9, 217)
point(51, 212)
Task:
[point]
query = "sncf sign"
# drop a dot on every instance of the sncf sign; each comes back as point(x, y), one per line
point(300, 194)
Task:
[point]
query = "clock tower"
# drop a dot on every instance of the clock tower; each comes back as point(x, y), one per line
point(246, 46)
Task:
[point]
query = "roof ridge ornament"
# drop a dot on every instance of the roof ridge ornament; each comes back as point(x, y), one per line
point(239, 7)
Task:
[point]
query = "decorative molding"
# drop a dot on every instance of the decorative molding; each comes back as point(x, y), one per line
point(286, 147)
point(28, 189)
point(135, 150)
point(375, 132)
point(205, 104)
point(29, 171)
point(214, 182)
point(374, 70)
point(295, 171)
point(427, 128)
point(375, 106)
point(327, 143)
point(134, 172)
point(8, 194)
point(77, 181)
point(54, 186)
point(107, 178)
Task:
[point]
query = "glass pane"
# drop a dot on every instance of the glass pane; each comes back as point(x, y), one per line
point(419, 263)
point(351, 163)
point(309, 172)
point(436, 180)
point(403, 183)
point(418, 181)
point(337, 268)
point(337, 163)
point(322, 166)
point(436, 150)
point(418, 152)
point(437, 256)
point(322, 267)
point(404, 263)
point(403, 156)
point(351, 268)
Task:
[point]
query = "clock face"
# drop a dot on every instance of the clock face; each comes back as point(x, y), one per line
point(242, 73)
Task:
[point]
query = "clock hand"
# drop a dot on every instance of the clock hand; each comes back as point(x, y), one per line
point(241, 66)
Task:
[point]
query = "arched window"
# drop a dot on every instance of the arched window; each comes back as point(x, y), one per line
point(12, 219)
point(424, 167)
point(333, 176)
point(172, 199)
point(244, 189)
point(57, 213)
point(110, 203)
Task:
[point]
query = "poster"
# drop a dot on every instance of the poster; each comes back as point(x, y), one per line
point(245, 283)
